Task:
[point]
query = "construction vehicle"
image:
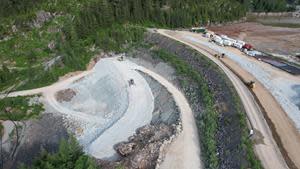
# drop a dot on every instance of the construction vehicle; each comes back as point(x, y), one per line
point(223, 55)
point(131, 82)
point(251, 84)
point(121, 58)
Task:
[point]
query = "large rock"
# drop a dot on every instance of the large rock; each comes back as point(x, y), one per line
point(41, 18)
point(125, 149)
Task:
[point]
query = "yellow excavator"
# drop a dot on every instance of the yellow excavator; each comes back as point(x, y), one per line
point(251, 84)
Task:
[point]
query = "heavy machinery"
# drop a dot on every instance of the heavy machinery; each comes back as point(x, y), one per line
point(131, 82)
point(251, 84)
point(121, 58)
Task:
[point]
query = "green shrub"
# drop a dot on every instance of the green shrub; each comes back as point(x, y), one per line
point(18, 108)
point(69, 156)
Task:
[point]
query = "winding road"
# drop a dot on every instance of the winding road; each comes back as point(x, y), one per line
point(268, 152)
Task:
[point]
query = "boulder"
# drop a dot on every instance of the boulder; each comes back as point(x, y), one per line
point(125, 149)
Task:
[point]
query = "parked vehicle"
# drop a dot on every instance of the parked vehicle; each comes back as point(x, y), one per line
point(227, 42)
point(237, 45)
point(247, 47)
point(207, 35)
point(241, 42)
point(198, 29)
point(218, 40)
point(252, 53)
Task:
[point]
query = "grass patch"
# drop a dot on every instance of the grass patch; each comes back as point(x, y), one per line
point(1, 130)
point(247, 143)
point(19, 108)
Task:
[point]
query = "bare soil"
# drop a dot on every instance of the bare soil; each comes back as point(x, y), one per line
point(285, 41)
point(283, 129)
point(65, 95)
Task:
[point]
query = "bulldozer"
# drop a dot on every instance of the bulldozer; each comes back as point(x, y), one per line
point(251, 84)
point(121, 58)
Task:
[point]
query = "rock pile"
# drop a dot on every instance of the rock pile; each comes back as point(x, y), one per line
point(143, 149)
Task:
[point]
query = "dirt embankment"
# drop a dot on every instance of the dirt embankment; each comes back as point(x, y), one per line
point(229, 133)
point(283, 130)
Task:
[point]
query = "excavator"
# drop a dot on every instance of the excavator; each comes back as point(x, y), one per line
point(251, 84)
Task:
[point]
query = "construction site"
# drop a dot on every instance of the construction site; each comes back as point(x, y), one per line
point(137, 110)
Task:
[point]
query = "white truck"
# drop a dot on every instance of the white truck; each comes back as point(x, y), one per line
point(252, 52)
point(218, 40)
point(227, 41)
point(238, 44)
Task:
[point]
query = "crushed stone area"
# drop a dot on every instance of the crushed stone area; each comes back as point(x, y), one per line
point(106, 109)
point(165, 108)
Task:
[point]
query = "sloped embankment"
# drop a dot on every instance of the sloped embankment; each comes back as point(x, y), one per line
point(231, 127)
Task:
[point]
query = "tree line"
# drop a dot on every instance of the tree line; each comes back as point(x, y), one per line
point(179, 13)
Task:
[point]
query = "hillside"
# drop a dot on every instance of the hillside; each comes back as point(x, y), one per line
point(44, 42)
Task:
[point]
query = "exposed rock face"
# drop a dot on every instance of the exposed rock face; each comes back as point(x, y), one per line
point(54, 61)
point(51, 45)
point(41, 18)
point(14, 28)
point(125, 148)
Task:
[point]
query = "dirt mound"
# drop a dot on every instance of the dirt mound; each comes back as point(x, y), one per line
point(65, 95)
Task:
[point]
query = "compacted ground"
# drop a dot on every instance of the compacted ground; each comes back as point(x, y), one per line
point(278, 40)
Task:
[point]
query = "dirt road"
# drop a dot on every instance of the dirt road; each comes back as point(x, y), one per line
point(268, 152)
point(184, 152)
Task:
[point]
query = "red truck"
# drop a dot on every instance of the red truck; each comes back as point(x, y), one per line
point(247, 46)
